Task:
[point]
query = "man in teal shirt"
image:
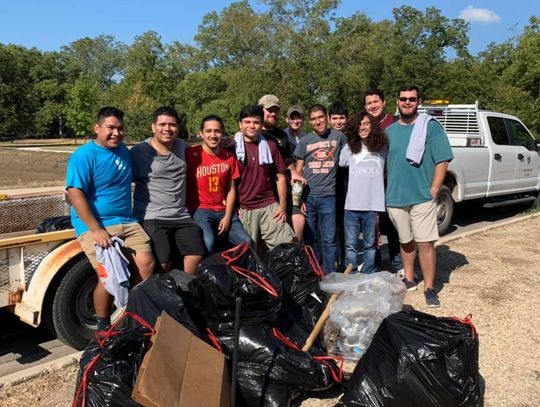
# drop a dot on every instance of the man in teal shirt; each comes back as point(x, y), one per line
point(413, 186)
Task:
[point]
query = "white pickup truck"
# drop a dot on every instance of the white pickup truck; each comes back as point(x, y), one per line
point(496, 159)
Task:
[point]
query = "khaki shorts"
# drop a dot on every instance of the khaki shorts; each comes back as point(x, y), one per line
point(133, 235)
point(261, 222)
point(416, 222)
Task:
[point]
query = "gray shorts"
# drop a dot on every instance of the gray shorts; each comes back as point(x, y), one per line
point(416, 222)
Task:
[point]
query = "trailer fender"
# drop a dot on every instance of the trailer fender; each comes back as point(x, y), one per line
point(30, 308)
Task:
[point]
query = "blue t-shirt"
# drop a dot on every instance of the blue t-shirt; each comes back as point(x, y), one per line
point(408, 184)
point(104, 175)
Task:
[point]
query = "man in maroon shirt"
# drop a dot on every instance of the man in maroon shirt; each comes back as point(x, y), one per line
point(374, 105)
point(263, 186)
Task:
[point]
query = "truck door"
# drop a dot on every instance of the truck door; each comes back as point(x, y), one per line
point(503, 158)
point(528, 159)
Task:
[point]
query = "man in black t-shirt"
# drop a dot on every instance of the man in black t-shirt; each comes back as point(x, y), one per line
point(271, 131)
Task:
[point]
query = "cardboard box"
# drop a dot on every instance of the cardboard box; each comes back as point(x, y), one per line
point(180, 370)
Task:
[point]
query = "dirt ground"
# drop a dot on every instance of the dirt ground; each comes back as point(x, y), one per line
point(27, 169)
point(493, 276)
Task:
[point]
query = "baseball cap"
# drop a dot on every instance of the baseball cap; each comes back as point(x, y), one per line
point(268, 101)
point(295, 109)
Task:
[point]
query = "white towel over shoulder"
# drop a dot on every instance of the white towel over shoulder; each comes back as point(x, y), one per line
point(265, 155)
point(417, 143)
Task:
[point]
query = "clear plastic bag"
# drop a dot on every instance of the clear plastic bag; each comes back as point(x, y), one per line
point(365, 300)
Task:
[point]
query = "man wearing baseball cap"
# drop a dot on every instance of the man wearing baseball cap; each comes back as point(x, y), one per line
point(295, 120)
point(271, 108)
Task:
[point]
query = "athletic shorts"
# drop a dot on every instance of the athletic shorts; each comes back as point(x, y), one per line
point(183, 235)
point(135, 239)
point(416, 222)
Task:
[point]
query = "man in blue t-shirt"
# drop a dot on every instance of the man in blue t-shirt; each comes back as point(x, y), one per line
point(98, 184)
point(413, 186)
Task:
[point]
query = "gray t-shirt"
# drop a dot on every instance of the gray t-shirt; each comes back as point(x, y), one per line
point(160, 182)
point(366, 179)
point(320, 155)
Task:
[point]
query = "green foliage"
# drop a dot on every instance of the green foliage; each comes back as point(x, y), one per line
point(82, 106)
point(296, 49)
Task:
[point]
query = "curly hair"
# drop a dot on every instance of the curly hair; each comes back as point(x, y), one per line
point(376, 140)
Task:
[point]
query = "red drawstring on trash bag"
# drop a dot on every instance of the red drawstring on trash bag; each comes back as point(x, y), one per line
point(214, 340)
point(313, 261)
point(468, 321)
point(255, 278)
point(102, 337)
point(337, 376)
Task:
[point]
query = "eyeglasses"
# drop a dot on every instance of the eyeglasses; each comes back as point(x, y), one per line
point(411, 99)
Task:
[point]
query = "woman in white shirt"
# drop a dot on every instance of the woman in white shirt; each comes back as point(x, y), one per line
point(364, 154)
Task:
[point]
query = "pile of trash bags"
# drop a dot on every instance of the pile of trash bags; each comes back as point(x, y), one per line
point(406, 358)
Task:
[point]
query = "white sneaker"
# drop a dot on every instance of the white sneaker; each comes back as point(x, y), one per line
point(400, 273)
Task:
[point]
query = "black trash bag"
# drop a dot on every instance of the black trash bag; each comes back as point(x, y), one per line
point(109, 367)
point(162, 292)
point(416, 359)
point(256, 390)
point(297, 322)
point(297, 267)
point(55, 223)
point(303, 300)
point(271, 371)
point(237, 272)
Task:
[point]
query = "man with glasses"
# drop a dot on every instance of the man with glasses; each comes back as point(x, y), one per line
point(418, 156)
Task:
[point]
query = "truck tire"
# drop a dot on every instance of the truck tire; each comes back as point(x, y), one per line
point(445, 209)
point(73, 314)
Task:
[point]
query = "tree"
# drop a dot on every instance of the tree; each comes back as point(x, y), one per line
point(100, 58)
point(82, 106)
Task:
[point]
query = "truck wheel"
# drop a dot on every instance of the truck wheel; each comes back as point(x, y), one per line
point(535, 205)
point(73, 314)
point(445, 209)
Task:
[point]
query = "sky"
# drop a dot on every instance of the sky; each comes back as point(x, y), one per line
point(50, 24)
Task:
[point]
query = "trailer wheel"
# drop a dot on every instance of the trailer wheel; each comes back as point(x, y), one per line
point(73, 314)
point(445, 209)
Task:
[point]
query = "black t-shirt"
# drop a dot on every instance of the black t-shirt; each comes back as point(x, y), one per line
point(286, 148)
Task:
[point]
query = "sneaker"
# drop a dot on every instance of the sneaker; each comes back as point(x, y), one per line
point(410, 285)
point(400, 273)
point(432, 299)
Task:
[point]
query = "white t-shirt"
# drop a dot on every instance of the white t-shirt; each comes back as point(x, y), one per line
point(365, 191)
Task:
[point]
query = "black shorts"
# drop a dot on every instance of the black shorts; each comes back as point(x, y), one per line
point(170, 236)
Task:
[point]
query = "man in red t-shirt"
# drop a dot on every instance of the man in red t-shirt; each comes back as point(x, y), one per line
point(212, 173)
point(263, 185)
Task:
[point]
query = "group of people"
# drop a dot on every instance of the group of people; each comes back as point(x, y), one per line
point(188, 200)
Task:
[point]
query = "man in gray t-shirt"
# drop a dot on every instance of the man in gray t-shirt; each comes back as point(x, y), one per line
point(318, 157)
point(159, 201)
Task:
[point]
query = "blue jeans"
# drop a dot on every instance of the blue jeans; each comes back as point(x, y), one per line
point(320, 230)
point(208, 221)
point(354, 223)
